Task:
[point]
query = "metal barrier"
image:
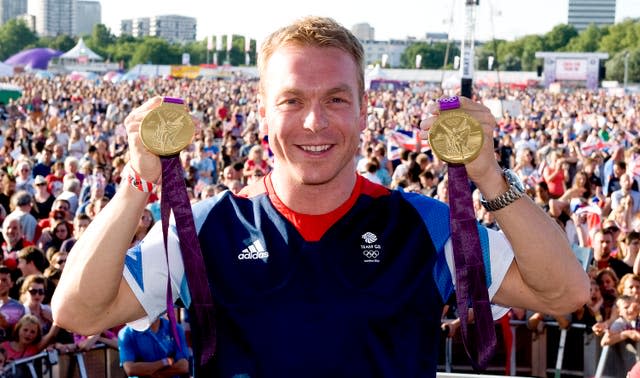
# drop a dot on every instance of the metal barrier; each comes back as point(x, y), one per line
point(39, 365)
point(557, 371)
point(100, 361)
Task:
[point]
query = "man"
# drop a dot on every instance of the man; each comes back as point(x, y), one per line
point(10, 310)
point(314, 270)
point(14, 241)
point(31, 260)
point(602, 244)
point(153, 352)
point(626, 184)
point(23, 202)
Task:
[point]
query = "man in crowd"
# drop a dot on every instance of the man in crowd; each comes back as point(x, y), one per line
point(153, 352)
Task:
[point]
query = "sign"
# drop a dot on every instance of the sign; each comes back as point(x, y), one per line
point(571, 69)
point(186, 59)
point(190, 72)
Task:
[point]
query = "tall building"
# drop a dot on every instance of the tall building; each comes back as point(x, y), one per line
point(137, 27)
point(55, 17)
point(364, 32)
point(10, 9)
point(173, 28)
point(89, 14)
point(582, 13)
point(169, 27)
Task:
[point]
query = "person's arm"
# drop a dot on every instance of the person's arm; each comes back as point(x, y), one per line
point(179, 367)
point(545, 275)
point(610, 338)
point(132, 368)
point(92, 294)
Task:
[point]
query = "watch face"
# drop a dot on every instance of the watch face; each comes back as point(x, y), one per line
point(513, 179)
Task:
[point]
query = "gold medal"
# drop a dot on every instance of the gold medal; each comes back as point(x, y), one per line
point(456, 137)
point(167, 129)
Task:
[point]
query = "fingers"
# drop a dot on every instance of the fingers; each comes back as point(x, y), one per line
point(133, 120)
point(478, 111)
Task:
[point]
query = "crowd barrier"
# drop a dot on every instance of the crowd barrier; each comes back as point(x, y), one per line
point(101, 361)
point(555, 352)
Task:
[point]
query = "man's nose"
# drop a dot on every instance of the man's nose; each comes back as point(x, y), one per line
point(315, 118)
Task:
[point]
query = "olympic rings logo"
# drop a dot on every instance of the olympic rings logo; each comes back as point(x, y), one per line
point(370, 254)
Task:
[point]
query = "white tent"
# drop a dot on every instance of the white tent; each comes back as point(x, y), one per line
point(5, 70)
point(81, 52)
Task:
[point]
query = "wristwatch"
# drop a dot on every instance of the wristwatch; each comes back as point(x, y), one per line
point(516, 191)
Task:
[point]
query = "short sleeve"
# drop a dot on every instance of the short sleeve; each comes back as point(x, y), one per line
point(146, 273)
point(500, 255)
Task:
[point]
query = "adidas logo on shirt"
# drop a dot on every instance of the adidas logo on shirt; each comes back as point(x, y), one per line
point(254, 251)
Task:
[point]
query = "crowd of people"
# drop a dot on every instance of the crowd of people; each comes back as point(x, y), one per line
point(63, 148)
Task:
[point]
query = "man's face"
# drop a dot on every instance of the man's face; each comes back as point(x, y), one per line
point(13, 232)
point(602, 246)
point(24, 267)
point(313, 112)
point(5, 284)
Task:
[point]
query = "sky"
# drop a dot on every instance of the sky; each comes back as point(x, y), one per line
point(395, 19)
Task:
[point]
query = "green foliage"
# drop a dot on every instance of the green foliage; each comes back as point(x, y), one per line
point(588, 40)
point(155, 50)
point(433, 55)
point(615, 66)
point(621, 36)
point(15, 36)
point(558, 38)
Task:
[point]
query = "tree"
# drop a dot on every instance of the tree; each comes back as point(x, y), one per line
point(483, 53)
point(432, 55)
point(558, 38)
point(588, 40)
point(621, 36)
point(15, 35)
point(101, 38)
point(615, 66)
point(154, 50)
point(62, 43)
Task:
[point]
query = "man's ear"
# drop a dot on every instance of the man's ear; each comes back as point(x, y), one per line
point(262, 111)
point(363, 112)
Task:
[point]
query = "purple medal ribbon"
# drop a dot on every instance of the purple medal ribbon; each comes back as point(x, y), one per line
point(174, 198)
point(471, 284)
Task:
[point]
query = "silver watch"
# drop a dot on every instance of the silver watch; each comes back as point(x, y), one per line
point(516, 191)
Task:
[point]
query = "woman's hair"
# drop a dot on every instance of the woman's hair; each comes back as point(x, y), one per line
point(30, 280)
point(26, 319)
point(624, 279)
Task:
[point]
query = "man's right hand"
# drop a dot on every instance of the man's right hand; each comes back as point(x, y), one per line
point(145, 163)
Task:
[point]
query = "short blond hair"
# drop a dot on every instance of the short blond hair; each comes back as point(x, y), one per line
point(313, 31)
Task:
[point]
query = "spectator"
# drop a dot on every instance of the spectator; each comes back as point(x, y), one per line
point(22, 207)
point(54, 236)
point(32, 294)
point(144, 226)
point(153, 352)
point(32, 261)
point(10, 309)
point(602, 243)
point(42, 198)
point(14, 241)
point(24, 179)
point(26, 339)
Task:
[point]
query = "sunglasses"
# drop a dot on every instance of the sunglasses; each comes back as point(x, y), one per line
point(36, 291)
point(62, 261)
